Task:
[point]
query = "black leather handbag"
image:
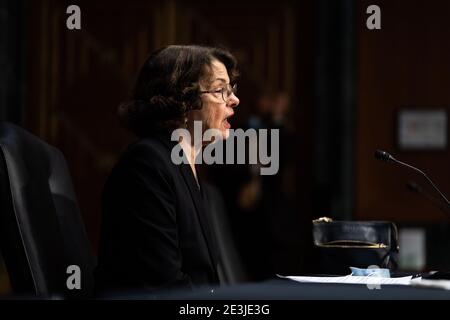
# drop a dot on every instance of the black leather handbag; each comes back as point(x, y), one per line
point(361, 244)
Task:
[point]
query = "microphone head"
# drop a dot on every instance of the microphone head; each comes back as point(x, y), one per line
point(383, 156)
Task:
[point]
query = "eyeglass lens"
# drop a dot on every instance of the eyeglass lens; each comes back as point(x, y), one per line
point(226, 93)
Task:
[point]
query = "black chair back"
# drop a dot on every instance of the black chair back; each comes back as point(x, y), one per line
point(42, 236)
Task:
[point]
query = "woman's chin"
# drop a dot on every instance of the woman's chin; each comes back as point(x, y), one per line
point(225, 134)
point(222, 134)
point(215, 134)
point(225, 130)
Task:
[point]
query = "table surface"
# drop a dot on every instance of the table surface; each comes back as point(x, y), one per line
point(285, 289)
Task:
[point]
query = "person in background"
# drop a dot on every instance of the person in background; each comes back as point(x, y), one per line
point(266, 204)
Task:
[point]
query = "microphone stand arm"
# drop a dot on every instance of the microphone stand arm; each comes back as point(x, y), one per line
point(423, 173)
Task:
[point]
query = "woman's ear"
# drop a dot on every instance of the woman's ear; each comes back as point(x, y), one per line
point(192, 98)
point(194, 104)
point(198, 103)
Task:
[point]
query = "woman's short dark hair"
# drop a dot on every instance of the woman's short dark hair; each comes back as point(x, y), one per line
point(167, 87)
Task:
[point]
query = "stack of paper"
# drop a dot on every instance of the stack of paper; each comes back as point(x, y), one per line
point(353, 280)
point(441, 284)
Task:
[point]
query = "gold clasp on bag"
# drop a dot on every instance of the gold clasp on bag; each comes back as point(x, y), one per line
point(323, 219)
point(348, 243)
point(352, 244)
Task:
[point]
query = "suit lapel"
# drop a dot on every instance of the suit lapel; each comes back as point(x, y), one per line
point(195, 192)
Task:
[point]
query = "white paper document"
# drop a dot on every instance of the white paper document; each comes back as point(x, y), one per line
point(352, 280)
point(425, 283)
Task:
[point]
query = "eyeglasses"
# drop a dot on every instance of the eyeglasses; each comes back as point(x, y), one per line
point(225, 92)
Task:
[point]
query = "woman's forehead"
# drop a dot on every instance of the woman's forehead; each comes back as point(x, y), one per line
point(219, 68)
point(217, 72)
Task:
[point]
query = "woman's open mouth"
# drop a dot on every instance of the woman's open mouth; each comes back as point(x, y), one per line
point(227, 124)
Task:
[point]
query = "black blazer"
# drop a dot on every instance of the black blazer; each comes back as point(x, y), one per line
point(155, 231)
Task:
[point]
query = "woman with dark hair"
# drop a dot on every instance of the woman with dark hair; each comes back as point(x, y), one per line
point(155, 230)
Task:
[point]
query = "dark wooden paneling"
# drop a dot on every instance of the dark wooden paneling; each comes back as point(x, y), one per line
point(405, 64)
point(76, 79)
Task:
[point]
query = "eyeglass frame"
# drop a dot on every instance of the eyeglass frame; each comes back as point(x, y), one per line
point(231, 90)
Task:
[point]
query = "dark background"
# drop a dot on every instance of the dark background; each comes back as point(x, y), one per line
point(346, 84)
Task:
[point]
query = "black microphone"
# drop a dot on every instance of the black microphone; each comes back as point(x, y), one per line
point(384, 156)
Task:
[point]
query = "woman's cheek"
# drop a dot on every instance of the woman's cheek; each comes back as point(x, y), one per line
point(213, 120)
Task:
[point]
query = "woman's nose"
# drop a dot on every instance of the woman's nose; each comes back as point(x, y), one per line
point(233, 101)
